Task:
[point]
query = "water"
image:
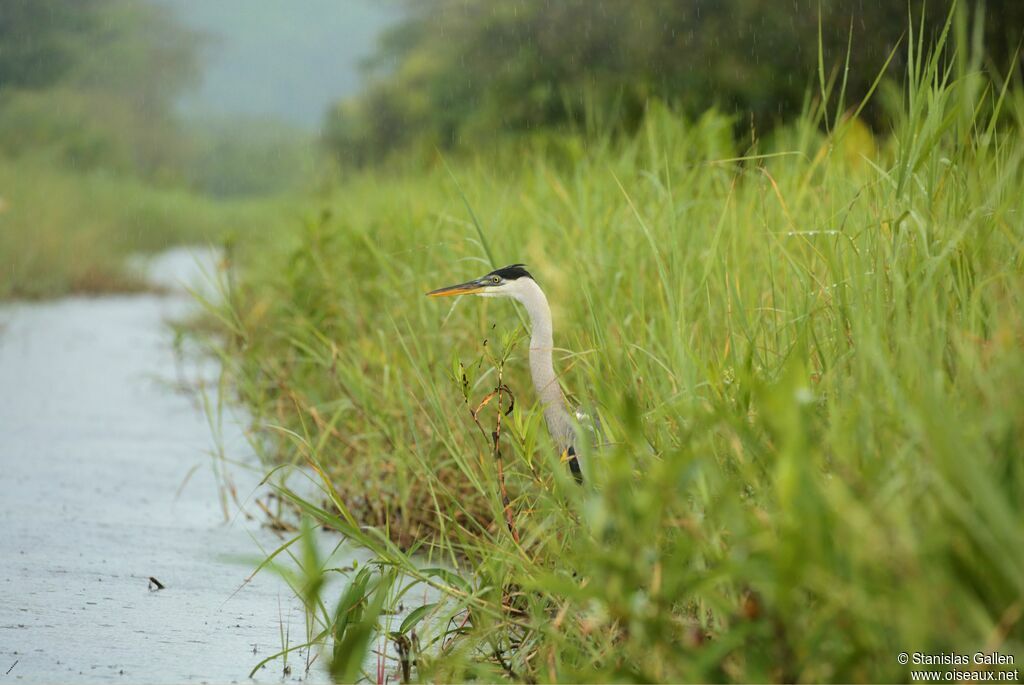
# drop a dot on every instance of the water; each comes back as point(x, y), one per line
point(106, 479)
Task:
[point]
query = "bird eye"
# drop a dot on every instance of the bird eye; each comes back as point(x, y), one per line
point(495, 279)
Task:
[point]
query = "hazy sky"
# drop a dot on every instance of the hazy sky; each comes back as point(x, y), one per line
point(287, 59)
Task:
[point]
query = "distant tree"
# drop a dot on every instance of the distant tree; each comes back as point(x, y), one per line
point(455, 70)
point(124, 46)
point(94, 82)
point(40, 40)
point(139, 51)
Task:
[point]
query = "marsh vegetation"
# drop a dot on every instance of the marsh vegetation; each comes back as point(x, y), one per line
point(805, 347)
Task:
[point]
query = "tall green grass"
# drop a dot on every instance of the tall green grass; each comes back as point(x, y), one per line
point(807, 352)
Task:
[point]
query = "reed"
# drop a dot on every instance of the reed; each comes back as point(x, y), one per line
point(806, 350)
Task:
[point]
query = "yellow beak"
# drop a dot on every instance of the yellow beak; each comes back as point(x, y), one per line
point(467, 288)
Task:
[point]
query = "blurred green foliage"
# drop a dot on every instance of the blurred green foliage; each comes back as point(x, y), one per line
point(64, 231)
point(457, 72)
point(95, 162)
point(237, 156)
point(92, 84)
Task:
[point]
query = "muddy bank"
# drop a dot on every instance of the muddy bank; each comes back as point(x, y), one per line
point(107, 479)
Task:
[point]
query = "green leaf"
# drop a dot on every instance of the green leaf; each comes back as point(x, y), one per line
point(450, 577)
point(415, 616)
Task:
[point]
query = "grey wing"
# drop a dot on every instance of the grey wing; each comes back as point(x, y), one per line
point(590, 427)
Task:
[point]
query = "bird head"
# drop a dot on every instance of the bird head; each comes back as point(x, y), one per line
point(508, 281)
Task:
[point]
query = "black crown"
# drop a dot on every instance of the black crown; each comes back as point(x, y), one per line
point(512, 272)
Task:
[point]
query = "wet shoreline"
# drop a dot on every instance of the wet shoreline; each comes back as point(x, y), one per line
point(108, 480)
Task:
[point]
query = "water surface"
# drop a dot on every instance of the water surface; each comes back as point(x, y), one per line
point(107, 479)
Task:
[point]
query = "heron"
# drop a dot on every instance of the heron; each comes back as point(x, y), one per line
point(515, 281)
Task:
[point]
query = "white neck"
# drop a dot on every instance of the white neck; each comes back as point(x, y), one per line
point(542, 368)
